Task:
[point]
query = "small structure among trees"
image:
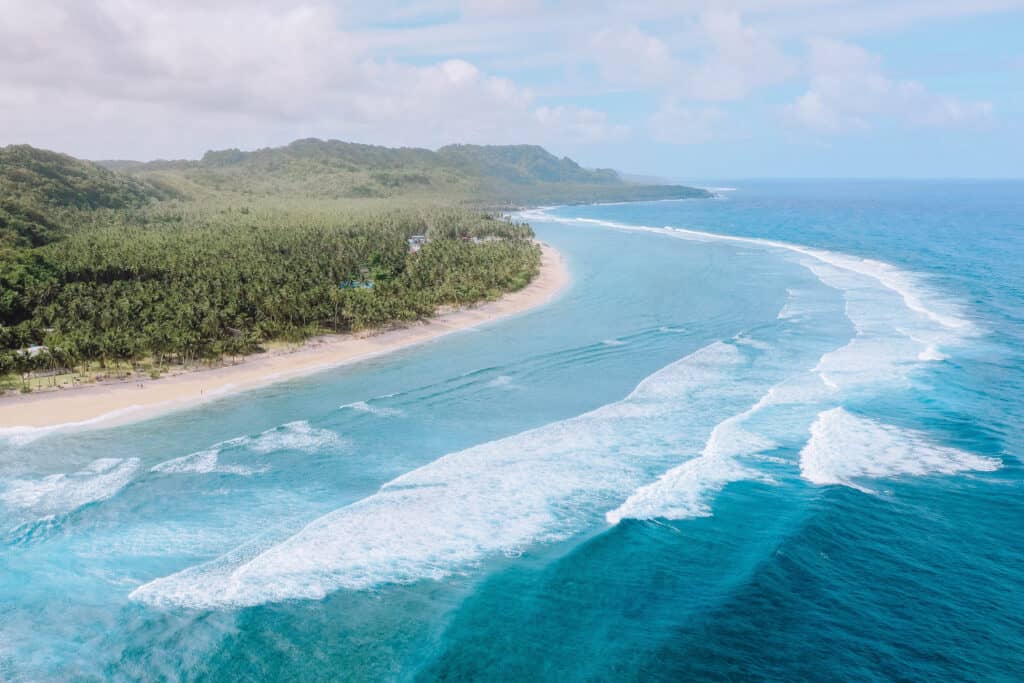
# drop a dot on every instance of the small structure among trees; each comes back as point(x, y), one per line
point(364, 281)
point(416, 243)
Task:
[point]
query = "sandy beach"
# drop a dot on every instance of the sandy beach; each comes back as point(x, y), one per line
point(119, 402)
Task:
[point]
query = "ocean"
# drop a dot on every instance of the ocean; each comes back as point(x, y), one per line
point(774, 435)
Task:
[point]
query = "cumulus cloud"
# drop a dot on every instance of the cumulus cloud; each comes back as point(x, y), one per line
point(674, 123)
point(848, 91)
point(501, 8)
point(734, 60)
point(578, 124)
point(146, 78)
point(741, 59)
point(627, 55)
point(240, 67)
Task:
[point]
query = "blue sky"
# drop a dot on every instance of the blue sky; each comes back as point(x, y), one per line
point(688, 89)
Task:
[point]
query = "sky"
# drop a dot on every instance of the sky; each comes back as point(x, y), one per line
point(684, 89)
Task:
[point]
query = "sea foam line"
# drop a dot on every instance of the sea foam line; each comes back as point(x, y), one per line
point(544, 484)
point(685, 491)
point(903, 283)
point(875, 355)
point(366, 407)
point(541, 485)
point(299, 435)
point(63, 492)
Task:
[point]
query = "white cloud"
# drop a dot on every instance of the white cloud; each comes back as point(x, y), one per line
point(681, 125)
point(143, 78)
point(579, 124)
point(214, 73)
point(741, 59)
point(735, 58)
point(501, 8)
point(848, 91)
point(627, 55)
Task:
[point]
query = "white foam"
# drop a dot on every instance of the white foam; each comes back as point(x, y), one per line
point(204, 462)
point(61, 493)
point(758, 344)
point(293, 436)
point(364, 407)
point(613, 342)
point(541, 485)
point(684, 491)
point(548, 483)
point(297, 436)
point(931, 354)
point(900, 322)
point(787, 311)
point(502, 382)
point(844, 448)
point(916, 296)
point(201, 463)
point(800, 303)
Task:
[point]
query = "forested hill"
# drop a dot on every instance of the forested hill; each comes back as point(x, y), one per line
point(152, 265)
point(466, 174)
point(146, 271)
point(39, 189)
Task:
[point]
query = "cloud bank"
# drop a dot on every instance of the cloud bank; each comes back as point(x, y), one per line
point(147, 79)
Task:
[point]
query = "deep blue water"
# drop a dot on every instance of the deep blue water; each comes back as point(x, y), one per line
point(791, 453)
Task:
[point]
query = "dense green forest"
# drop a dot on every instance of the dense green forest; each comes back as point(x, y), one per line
point(470, 175)
point(178, 262)
point(42, 192)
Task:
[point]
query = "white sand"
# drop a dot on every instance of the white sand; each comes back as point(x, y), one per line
point(120, 402)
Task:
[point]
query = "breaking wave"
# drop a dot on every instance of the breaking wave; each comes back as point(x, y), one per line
point(204, 462)
point(541, 485)
point(845, 448)
point(296, 436)
point(364, 407)
point(293, 436)
point(502, 381)
point(684, 433)
point(899, 323)
point(61, 493)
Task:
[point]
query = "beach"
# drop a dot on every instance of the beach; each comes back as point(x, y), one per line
point(119, 402)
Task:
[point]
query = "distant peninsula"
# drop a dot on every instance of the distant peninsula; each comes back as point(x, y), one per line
point(492, 176)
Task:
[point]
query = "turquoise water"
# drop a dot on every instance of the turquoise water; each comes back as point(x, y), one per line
point(787, 453)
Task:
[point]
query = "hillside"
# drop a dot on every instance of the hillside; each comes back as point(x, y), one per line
point(178, 263)
point(464, 174)
point(38, 189)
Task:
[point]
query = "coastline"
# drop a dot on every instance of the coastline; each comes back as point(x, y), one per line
point(122, 402)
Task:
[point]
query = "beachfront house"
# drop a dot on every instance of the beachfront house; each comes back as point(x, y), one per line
point(32, 351)
point(364, 281)
point(416, 243)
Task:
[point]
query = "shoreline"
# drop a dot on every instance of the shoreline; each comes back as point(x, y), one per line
point(122, 402)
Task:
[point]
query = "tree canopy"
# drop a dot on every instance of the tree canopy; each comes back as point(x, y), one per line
point(181, 261)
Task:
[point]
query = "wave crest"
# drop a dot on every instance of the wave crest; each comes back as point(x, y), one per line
point(845, 448)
